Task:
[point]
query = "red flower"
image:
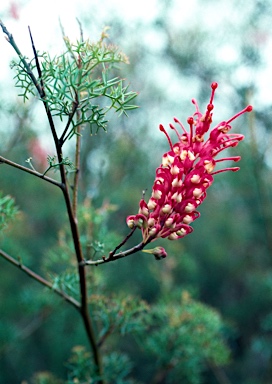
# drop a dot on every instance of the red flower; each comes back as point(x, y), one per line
point(185, 174)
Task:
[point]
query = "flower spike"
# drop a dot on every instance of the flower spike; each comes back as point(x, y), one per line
point(185, 174)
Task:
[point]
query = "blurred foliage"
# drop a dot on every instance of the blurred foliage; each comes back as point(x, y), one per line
point(116, 368)
point(44, 378)
point(8, 210)
point(189, 337)
point(123, 314)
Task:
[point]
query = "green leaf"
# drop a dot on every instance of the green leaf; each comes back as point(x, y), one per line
point(8, 210)
point(81, 76)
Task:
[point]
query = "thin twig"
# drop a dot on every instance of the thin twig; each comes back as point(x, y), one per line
point(43, 97)
point(81, 30)
point(105, 336)
point(112, 253)
point(76, 101)
point(40, 279)
point(11, 40)
point(77, 165)
point(37, 61)
point(117, 256)
point(31, 171)
point(82, 281)
point(71, 116)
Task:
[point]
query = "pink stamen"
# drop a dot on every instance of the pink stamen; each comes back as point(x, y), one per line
point(233, 158)
point(210, 105)
point(190, 121)
point(247, 109)
point(214, 85)
point(197, 108)
point(235, 143)
point(162, 129)
point(177, 133)
point(233, 169)
point(179, 123)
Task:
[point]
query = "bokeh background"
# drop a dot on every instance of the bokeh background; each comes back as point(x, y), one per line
point(176, 50)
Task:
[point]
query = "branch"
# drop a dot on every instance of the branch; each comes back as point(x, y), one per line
point(82, 279)
point(31, 171)
point(43, 95)
point(104, 337)
point(11, 40)
point(83, 306)
point(37, 62)
point(112, 253)
point(40, 279)
point(77, 165)
point(71, 116)
point(113, 257)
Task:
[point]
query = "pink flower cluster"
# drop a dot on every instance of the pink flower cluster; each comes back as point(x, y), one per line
point(185, 174)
